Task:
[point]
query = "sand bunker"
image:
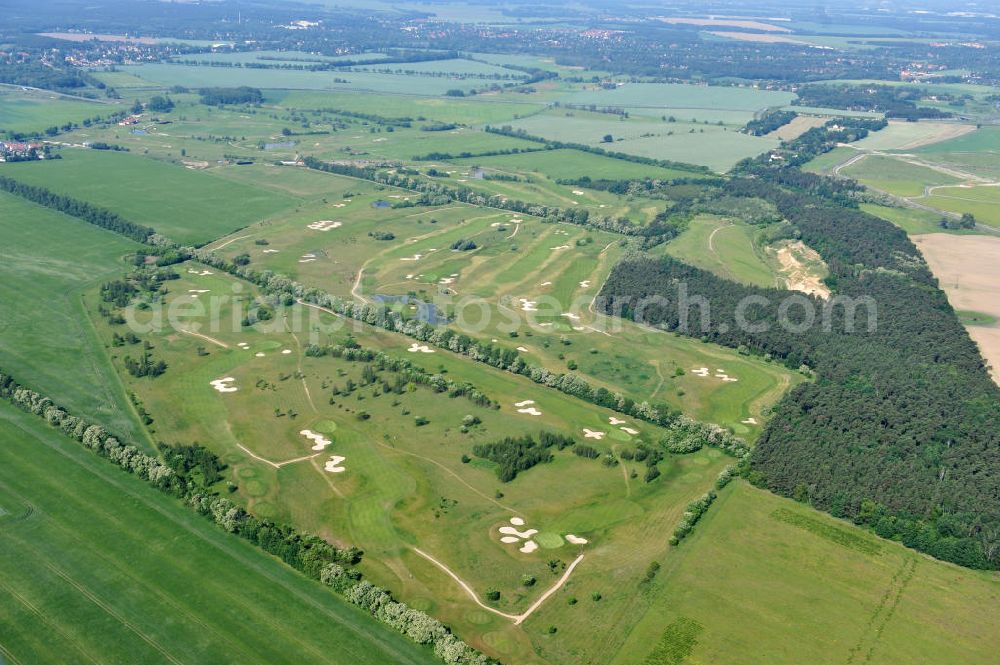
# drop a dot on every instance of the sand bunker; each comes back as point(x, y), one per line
point(511, 531)
point(517, 521)
point(339, 205)
point(591, 434)
point(629, 430)
point(510, 539)
point(528, 547)
point(333, 464)
point(585, 284)
point(531, 411)
point(522, 349)
point(615, 421)
point(325, 225)
point(546, 284)
point(420, 348)
point(198, 290)
point(528, 305)
point(525, 402)
point(259, 354)
point(320, 440)
point(199, 272)
point(286, 352)
point(700, 371)
point(577, 192)
point(569, 315)
point(749, 421)
point(559, 247)
point(222, 385)
point(415, 257)
point(270, 251)
point(576, 540)
point(306, 260)
point(447, 280)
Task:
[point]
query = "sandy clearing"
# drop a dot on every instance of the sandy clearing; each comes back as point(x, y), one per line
point(522, 349)
point(531, 411)
point(526, 402)
point(969, 274)
point(591, 434)
point(615, 421)
point(318, 439)
point(795, 259)
point(517, 521)
point(420, 348)
point(511, 531)
point(528, 547)
point(576, 540)
point(510, 540)
point(333, 464)
point(325, 225)
point(629, 430)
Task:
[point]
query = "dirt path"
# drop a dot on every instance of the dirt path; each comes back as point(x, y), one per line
point(298, 346)
point(276, 465)
point(228, 242)
point(628, 485)
point(204, 337)
point(517, 618)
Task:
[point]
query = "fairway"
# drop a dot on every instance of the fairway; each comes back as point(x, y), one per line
point(726, 248)
point(96, 566)
point(897, 175)
point(188, 206)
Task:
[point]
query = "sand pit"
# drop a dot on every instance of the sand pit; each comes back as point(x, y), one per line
point(243, 345)
point(511, 531)
point(270, 251)
point(198, 290)
point(577, 192)
point(546, 284)
point(286, 352)
point(415, 257)
point(510, 539)
point(447, 280)
point(585, 284)
point(559, 247)
point(522, 349)
point(517, 521)
point(528, 547)
point(531, 411)
point(259, 354)
point(573, 317)
point(201, 273)
point(320, 441)
point(306, 260)
point(615, 421)
point(591, 434)
point(528, 305)
point(333, 464)
point(325, 225)
point(526, 402)
point(576, 540)
point(223, 385)
point(749, 421)
point(420, 348)
point(339, 205)
point(700, 371)
point(629, 430)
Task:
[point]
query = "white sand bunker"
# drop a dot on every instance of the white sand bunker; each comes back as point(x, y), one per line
point(528, 305)
point(307, 260)
point(447, 280)
point(546, 284)
point(615, 421)
point(410, 276)
point(286, 352)
point(585, 284)
point(198, 290)
point(511, 531)
point(259, 354)
point(749, 421)
point(415, 257)
point(199, 272)
point(517, 521)
point(339, 205)
point(629, 430)
point(591, 434)
point(222, 385)
point(320, 440)
point(559, 247)
point(531, 411)
point(522, 349)
point(420, 348)
point(333, 464)
point(576, 540)
point(577, 192)
point(270, 251)
point(524, 403)
point(325, 225)
point(578, 328)
point(243, 345)
point(510, 539)
point(528, 547)
point(700, 371)
point(570, 315)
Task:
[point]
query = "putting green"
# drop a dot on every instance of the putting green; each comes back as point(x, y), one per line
point(548, 540)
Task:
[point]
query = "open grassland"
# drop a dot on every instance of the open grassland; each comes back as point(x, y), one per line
point(185, 205)
point(266, 57)
point(901, 135)
point(896, 175)
point(718, 147)
point(282, 79)
point(656, 99)
point(913, 221)
point(35, 110)
point(46, 261)
point(98, 567)
point(572, 164)
point(726, 248)
point(982, 201)
point(765, 580)
point(405, 484)
point(969, 273)
point(451, 66)
point(830, 160)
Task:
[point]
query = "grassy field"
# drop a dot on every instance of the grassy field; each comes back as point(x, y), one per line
point(711, 103)
point(188, 206)
point(765, 580)
point(572, 164)
point(35, 110)
point(983, 202)
point(912, 220)
point(726, 248)
point(896, 176)
point(900, 135)
point(96, 566)
point(47, 260)
point(718, 147)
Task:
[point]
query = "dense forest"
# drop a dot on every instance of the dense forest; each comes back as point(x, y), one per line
point(894, 101)
point(898, 430)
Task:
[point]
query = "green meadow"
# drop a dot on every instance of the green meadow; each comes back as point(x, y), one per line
point(188, 206)
point(725, 247)
point(99, 567)
point(35, 110)
point(896, 176)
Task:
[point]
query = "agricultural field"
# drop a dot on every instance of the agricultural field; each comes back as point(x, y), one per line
point(760, 564)
point(188, 206)
point(47, 261)
point(96, 566)
point(900, 135)
point(404, 449)
point(29, 111)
